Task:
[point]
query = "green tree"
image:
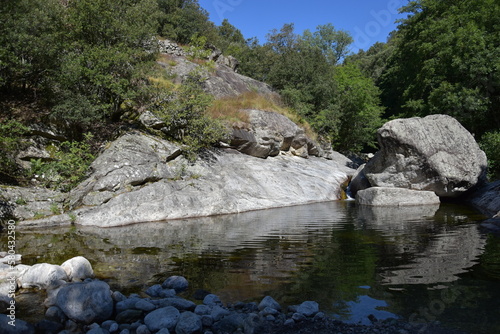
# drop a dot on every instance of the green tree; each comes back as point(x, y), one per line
point(182, 19)
point(352, 121)
point(334, 44)
point(447, 60)
point(31, 36)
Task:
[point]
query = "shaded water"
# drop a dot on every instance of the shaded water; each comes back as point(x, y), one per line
point(420, 264)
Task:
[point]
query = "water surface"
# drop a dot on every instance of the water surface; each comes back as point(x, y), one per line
point(421, 264)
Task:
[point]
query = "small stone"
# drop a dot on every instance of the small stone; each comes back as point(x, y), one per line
point(144, 305)
point(270, 317)
point(167, 293)
point(118, 296)
point(189, 323)
point(97, 330)
point(154, 291)
point(54, 313)
point(125, 331)
point(298, 317)
point(212, 300)
point(163, 331)
point(166, 317)
point(178, 283)
point(289, 323)
point(269, 301)
point(229, 324)
point(202, 309)
point(308, 308)
point(269, 311)
point(143, 329)
point(47, 326)
point(129, 316)
point(319, 316)
point(179, 303)
point(218, 313)
point(207, 320)
point(126, 304)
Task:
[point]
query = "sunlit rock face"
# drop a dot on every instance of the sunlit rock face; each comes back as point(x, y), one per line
point(434, 153)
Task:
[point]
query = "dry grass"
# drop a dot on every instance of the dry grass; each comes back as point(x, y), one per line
point(231, 109)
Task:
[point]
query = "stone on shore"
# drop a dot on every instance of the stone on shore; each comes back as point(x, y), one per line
point(86, 302)
point(166, 317)
point(78, 269)
point(380, 196)
point(178, 283)
point(435, 153)
point(43, 276)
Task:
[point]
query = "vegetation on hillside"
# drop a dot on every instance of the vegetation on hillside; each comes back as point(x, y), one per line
point(86, 65)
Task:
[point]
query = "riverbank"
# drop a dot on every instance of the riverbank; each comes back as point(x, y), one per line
point(91, 307)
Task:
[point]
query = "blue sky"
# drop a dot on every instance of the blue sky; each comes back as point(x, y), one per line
point(368, 21)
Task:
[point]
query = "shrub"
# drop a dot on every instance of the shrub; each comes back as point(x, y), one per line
point(11, 133)
point(490, 144)
point(69, 168)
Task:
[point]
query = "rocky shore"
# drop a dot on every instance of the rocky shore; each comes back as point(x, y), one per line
point(77, 303)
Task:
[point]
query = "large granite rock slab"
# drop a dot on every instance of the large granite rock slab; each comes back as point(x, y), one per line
point(434, 153)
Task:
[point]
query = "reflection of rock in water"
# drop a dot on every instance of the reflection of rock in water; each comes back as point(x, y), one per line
point(446, 255)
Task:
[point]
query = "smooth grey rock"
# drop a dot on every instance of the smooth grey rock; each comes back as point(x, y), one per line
point(110, 325)
point(212, 300)
point(163, 331)
point(118, 296)
point(48, 327)
point(269, 301)
point(143, 329)
point(129, 316)
point(55, 314)
point(154, 291)
point(358, 182)
point(86, 302)
point(126, 304)
point(98, 330)
point(207, 320)
point(202, 309)
point(78, 269)
point(267, 133)
point(298, 317)
point(308, 308)
point(380, 196)
point(178, 283)
point(435, 153)
point(218, 312)
point(133, 159)
point(236, 183)
point(43, 276)
point(229, 324)
point(166, 317)
point(144, 305)
point(21, 326)
point(179, 303)
point(189, 323)
point(487, 198)
point(269, 311)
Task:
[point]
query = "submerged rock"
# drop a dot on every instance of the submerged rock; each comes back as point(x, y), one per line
point(434, 153)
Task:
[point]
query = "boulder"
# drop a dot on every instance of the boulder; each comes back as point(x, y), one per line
point(86, 302)
point(134, 159)
point(166, 317)
point(487, 198)
point(379, 196)
point(268, 133)
point(435, 153)
point(178, 283)
point(43, 276)
point(78, 269)
point(189, 323)
point(358, 182)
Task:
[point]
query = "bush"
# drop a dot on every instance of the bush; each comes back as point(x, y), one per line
point(11, 133)
point(184, 111)
point(490, 144)
point(71, 163)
